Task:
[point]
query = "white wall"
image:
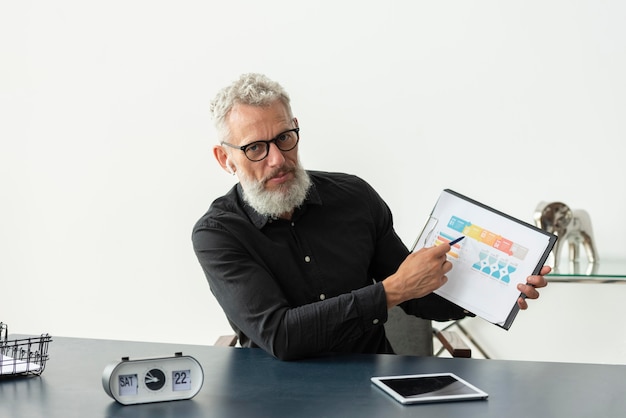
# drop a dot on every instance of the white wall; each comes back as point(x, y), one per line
point(105, 159)
point(573, 323)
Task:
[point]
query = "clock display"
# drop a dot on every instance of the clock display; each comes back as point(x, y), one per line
point(154, 379)
point(128, 384)
point(181, 380)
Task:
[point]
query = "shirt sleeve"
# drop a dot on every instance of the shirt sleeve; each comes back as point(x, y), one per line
point(434, 307)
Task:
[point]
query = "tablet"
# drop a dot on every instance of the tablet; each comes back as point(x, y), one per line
point(422, 388)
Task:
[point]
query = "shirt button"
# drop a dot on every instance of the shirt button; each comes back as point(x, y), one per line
point(375, 321)
point(293, 224)
point(322, 296)
point(307, 259)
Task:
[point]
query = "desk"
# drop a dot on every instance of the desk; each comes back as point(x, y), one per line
point(249, 383)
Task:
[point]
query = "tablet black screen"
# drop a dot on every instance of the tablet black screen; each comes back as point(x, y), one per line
point(428, 386)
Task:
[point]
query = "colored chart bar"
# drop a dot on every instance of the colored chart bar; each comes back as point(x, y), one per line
point(486, 237)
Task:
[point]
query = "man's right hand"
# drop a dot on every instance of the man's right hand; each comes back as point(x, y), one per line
point(421, 273)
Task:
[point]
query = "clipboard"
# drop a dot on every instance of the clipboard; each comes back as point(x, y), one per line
point(498, 252)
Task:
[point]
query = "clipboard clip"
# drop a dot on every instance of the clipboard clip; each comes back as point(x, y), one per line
point(426, 236)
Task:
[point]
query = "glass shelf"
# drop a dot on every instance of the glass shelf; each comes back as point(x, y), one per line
point(609, 270)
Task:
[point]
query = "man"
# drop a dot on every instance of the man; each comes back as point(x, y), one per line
point(304, 262)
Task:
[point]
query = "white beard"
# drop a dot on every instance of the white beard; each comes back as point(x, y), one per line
point(283, 200)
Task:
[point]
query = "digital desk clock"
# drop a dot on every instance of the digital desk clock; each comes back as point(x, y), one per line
point(153, 379)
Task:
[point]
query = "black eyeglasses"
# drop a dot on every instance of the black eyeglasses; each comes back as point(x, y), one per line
point(258, 150)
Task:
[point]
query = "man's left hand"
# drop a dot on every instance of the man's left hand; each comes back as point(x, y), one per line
point(532, 284)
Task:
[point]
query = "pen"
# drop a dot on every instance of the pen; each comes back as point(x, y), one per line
point(456, 240)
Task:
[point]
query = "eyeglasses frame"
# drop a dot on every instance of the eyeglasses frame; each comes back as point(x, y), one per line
point(267, 142)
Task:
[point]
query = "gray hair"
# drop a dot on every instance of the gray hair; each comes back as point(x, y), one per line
point(250, 89)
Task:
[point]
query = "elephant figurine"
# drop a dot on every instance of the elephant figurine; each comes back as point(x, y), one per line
point(572, 227)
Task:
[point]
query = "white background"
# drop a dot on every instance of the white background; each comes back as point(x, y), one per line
point(106, 164)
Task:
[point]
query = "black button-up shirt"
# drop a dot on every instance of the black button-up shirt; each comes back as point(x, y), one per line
point(310, 285)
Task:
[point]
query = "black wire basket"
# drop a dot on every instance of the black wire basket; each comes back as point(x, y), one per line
point(22, 357)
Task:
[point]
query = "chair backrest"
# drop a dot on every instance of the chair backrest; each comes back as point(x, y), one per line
point(408, 334)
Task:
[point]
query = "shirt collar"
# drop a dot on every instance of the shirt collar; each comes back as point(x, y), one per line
point(258, 220)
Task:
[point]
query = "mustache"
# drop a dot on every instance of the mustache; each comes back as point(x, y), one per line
point(279, 171)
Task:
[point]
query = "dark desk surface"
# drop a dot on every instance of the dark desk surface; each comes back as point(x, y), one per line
point(249, 383)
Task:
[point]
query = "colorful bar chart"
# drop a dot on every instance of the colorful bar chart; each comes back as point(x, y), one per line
point(488, 238)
